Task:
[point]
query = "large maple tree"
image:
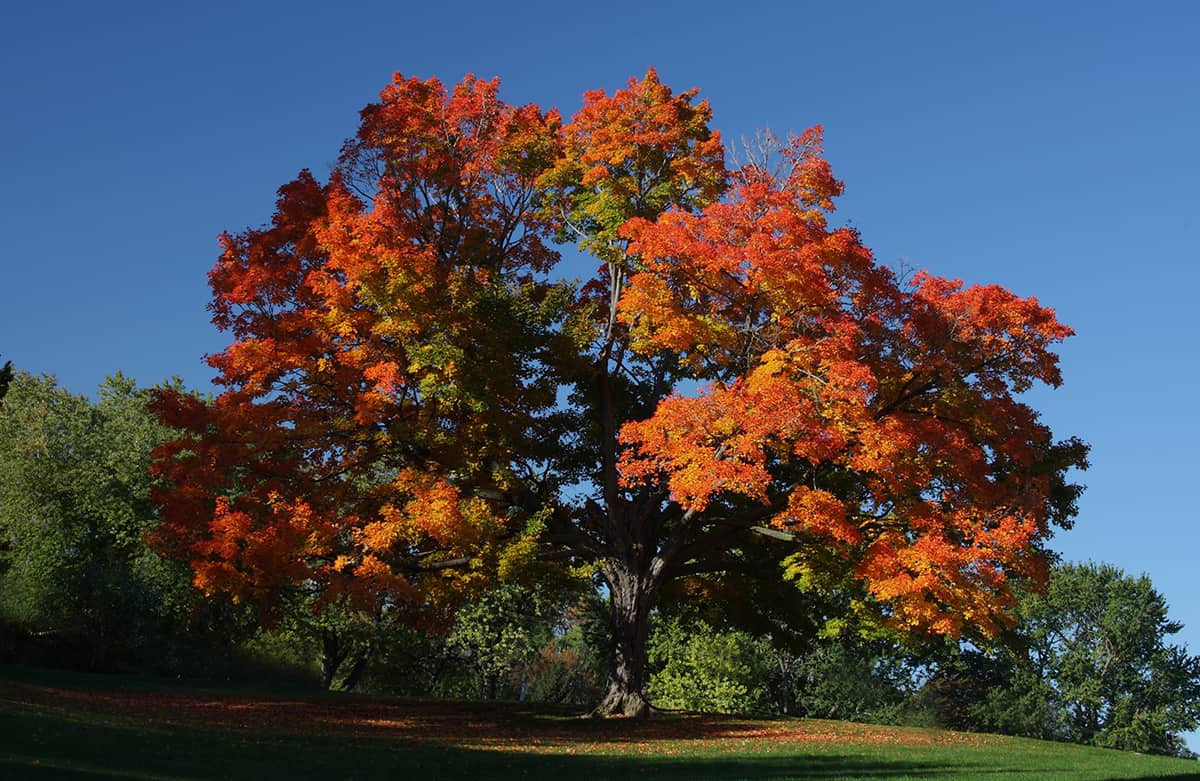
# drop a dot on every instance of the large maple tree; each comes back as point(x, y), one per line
point(415, 400)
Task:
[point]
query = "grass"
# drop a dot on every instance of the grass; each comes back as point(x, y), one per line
point(77, 726)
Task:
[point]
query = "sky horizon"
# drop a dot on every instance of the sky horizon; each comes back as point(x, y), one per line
point(1048, 150)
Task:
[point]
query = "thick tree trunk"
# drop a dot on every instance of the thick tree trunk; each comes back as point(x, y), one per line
point(632, 596)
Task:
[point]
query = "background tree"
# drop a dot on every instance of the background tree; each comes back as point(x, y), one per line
point(1102, 638)
point(571, 667)
point(409, 390)
point(75, 576)
point(510, 643)
point(499, 635)
point(990, 690)
point(341, 639)
point(859, 679)
point(1088, 662)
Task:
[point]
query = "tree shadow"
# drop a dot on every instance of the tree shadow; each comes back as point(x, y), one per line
point(38, 744)
point(49, 732)
point(109, 755)
point(498, 724)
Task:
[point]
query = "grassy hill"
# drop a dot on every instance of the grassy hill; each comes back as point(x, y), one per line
point(74, 726)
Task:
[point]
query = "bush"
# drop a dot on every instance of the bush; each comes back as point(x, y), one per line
point(697, 668)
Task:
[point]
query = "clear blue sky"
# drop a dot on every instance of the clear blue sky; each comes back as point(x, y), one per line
point(1053, 148)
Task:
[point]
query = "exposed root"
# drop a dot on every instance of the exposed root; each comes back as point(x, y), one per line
point(617, 703)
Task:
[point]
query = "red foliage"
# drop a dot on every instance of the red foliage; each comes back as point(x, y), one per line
point(407, 388)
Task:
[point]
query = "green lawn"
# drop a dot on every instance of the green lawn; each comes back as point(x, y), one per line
point(77, 726)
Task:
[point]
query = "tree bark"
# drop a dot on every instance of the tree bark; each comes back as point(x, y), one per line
point(490, 687)
point(632, 596)
point(356, 672)
point(332, 656)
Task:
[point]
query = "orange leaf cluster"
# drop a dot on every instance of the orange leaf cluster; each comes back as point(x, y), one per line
point(632, 154)
point(881, 417)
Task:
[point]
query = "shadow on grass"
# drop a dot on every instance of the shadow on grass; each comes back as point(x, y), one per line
point(37, 745)
point(491, 724)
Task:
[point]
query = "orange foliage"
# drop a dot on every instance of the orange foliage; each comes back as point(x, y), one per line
point(407, 385)
point(891, 406)
point(361, 339)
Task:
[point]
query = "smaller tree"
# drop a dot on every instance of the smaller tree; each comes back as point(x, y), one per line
point(865, 679)
point(499, 635)
point(1089, 662)
point(526, 642)
point(1102, 636)
point(343, 639)
point(75, 574)
point(571, 666)
point(991, 690)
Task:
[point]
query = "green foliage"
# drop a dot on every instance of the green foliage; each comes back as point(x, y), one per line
point(333, 645)
point(990, 692)
point(1101, 636)
point(417, 664)
point(697, 668)
point(752, 599)
point(515, 643)
point(1024, 706)
point(497, 635)
point(571, 667)
point(539, 644)
point(701, 667)
point(75, 577)
point(867, 681)
point(6, 373)
point(1090, 663)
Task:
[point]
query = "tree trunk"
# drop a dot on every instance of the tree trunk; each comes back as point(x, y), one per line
point(632, 596)
point(332, 656)
point(785, 686)
point(356, 672)
point(491, 686)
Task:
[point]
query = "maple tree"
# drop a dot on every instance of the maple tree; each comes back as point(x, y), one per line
point(414, 399)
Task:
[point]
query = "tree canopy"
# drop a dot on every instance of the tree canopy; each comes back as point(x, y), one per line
point(1101, 638)
point(76, 580)
point(1090, 662)
point(416, 400)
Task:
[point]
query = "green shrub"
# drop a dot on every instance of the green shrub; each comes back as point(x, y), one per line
point(697, 668)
